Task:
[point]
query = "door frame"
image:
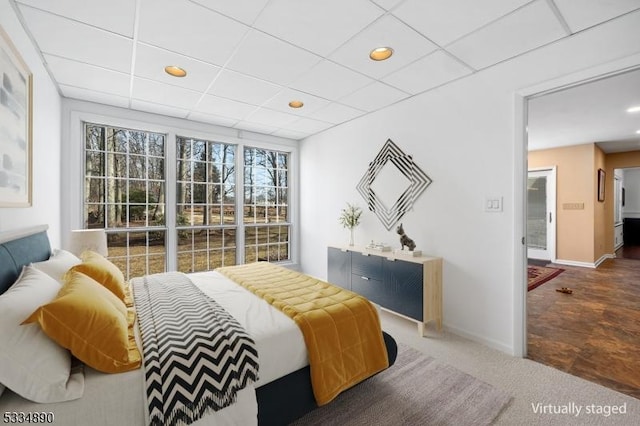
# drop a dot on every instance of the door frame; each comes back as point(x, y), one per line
point(520, 162)
point(551, 208)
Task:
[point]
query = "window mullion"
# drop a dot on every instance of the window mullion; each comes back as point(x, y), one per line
point(240, 237)
point(170, 166)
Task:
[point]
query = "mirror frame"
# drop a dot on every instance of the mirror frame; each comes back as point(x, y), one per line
point(391, 153)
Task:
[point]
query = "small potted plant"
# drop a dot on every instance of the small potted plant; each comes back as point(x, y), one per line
point(350, 218)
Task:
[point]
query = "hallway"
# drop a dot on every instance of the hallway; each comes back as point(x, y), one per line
point(593, 333)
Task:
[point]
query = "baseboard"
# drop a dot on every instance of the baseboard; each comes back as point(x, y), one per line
point(575, 263)
point(604, 257)
point(494, 344)
point(592, 265)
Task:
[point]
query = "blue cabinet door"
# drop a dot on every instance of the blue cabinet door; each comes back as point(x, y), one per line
point(366, 266)
point(372, 289)
point(404, 280)
point(339, 268)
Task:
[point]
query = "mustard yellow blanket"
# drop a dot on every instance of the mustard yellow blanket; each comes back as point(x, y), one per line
point(341, 329)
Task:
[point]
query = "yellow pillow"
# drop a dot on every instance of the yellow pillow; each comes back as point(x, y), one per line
point(106, 273)
point(92, 323)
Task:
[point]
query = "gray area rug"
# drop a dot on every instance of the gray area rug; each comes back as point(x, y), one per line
point(416, 390)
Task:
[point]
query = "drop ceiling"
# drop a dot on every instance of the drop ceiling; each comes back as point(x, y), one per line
point(247, 59)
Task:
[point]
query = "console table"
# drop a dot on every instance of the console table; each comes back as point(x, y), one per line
point(407, 286)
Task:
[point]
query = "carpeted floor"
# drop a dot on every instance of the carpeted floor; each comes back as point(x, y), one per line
point(416, 390)
point(538, 275)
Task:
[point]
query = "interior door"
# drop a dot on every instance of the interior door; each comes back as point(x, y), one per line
point(541, 211)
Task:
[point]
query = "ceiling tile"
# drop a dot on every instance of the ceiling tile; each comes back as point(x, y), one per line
point(373, 97)
point(78, 41)
point(244, 88)
point(165, 94)
point(407, 44)
point(271, 117)
point(224, 107)
point(308, 125)
point(305, 22)
point(113, 15)
point(586, 13)
point(446, 21)
point(331, 81)
point(281, 102)
point(387, 4)
point(271, 59)
point(212, 119)
point(150, 63)
point(90, 77)
point(203, 34)
point(255, 127)
point(431, 71)
point(529, 27)
point(93, 96)
point(337, 113)
point(154, 108)
point(290, 134)
point(245, 11)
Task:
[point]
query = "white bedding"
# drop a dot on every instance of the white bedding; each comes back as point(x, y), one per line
point(118, 399)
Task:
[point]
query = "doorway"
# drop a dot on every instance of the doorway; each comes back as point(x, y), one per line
point(523, 135)
point(581, 331)
point(541, 213)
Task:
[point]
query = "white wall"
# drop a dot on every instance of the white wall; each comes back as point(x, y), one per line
point(632, 193)
point(46, 139)
point(462, 135)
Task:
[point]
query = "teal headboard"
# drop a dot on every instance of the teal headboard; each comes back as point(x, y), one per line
point(19, 248)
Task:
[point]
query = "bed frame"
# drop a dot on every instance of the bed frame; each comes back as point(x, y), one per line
point(279, 402)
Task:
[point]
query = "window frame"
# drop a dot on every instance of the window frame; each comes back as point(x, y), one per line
point(222, 226)
point(73, 166)
point(256, 224)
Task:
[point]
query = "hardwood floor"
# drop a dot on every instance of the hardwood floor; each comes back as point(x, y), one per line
point(629, 252)
point(593, 333)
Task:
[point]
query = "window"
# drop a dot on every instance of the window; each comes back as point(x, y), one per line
point(206, 204)
point(125, 194)
point(196, 222)
point(266, 205)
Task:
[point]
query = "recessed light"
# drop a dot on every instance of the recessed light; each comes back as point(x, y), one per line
point(638, 132)
point(381, 53)
point(175, 71)
point(296, 104)
point(634, 109)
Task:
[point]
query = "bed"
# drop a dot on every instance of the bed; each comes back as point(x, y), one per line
point(282, 394)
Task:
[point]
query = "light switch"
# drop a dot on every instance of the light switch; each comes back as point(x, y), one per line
point(493, 204)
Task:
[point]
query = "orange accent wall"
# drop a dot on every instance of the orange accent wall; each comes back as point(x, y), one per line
point(600, 228)
point(575, 183)
point(583, 235)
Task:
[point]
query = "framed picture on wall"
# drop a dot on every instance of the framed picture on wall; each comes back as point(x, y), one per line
point(15, 126)
point(601, 176)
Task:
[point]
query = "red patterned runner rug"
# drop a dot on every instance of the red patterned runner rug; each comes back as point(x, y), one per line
point(538, 275)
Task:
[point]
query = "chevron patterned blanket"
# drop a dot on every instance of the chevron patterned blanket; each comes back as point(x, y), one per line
point(196, 355)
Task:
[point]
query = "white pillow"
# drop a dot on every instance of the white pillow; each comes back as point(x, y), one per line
point(34, 366)
point(58, 264)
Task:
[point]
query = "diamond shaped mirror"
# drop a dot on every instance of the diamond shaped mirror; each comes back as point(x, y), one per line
point(391, 184)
